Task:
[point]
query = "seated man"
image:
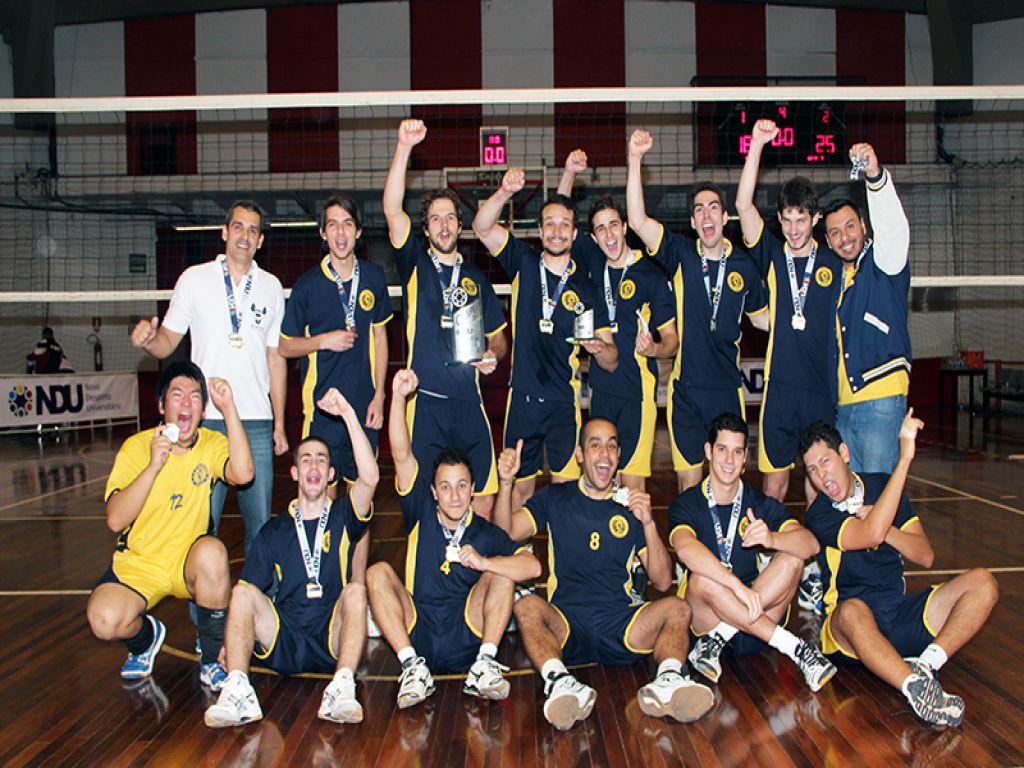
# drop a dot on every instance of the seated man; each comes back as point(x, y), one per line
point(736, 604)
point(316, 619)
point(158, 498)
point(595, 529)
point(866, 528)
point(460, 572)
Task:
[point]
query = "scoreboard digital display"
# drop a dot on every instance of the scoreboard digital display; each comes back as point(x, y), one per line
point(809, 133)
point(494, 147)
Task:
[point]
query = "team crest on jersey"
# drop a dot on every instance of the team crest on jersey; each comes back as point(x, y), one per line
point(366, 300)
point(823, 277)
point(200, 475)
point(744, 524)
point(735, 281)
point(627, 289)
point(570, 300)
point(618, 526)
point(469, 286)
point(327, 541)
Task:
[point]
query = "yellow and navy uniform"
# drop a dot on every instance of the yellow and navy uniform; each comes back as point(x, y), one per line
point(303, 641)
point(448, 410)
point(441, 630)
point(151, 551)
point(591, 547)
point(706, 379)
point(314, 308)
point(544, 405)
point(690, 512)
point(627, 395)
point(798, 383)
point(872, 575)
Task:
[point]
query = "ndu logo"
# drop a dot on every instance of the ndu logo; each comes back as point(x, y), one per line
point(45, 399)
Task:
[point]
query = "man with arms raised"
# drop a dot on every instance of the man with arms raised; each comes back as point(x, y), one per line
point(233, 310)
point(158, 500)
point(316, 619)
point(448, 410)
point(595, 530)
point(714, 286)
point(867, 528)
point(735, 603)
point(549, 290)
point(460, 572)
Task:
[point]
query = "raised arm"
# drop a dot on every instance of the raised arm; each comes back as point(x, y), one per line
point(888, 220)
point(367, 472)
point(575, 162)
point(750, 219)
point(410, 133)
point(240, 469)
point(403, 385)
point(485, 223)
point(648, 230)
point(518, 524)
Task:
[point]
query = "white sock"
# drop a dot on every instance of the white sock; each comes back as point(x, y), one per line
point(553, 668)
point(406, 654)
point(726, 631)
point(934, 657)
point(670, 665)
point(785, 642)
point(488, 649)
point(238, 674)
point(344, 672)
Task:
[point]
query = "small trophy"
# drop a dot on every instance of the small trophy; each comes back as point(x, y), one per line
point(468, 333)
point(582, 324)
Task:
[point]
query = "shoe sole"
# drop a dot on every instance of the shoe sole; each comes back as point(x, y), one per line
point(161, 636)
point(213, 721)
point(565, 711)
point(352, 716)
point(412, 701)
point(686, 705)
point(710, 674)
point(823, 681)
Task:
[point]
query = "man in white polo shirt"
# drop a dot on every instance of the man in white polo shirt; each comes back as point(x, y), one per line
point(234, 310)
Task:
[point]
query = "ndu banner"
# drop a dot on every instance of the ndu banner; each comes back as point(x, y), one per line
point(59, 399)
point(752, 373)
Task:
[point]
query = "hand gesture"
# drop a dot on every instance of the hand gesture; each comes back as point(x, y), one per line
point(639, 142)
point(866, 152)
point(757, 534)
point(513, 181)
point(908, 435)
point(750, 599)
point(144, 332)
point(472, 559)
point(159, 448)
point(764, 131)
point(404, 383)
point(334, 403)
point(576, 162)
point(375, 413)
point(338, 341)
point(411, 132)
point(509, 461)
point(220, 394)
point(644, 343)
point(640, 505)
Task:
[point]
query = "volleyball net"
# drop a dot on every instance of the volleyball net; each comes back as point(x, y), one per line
point(105, 201)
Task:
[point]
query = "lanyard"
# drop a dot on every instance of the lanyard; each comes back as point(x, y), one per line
point(800, 296)
point(609, 294)
point(348, 303)
point(311, 560)
point(714, 299)
point(454, 538)
point(726, 540)
point(229, 289)
point(548, 304)
point(853, 504)
point(447, 291)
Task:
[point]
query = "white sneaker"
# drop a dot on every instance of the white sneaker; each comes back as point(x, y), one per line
point(816, 668)
point(705, 656)
point(339, 704)
point(485, 679)
point(372, 630)
point(415, 684)
point(673, 695)
point(568, 701)
point(236, 705)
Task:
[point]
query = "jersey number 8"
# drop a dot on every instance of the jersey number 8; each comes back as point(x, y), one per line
point(595, 540)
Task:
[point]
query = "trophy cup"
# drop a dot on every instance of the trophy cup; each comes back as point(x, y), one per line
point(468, 333)
point(582, 324)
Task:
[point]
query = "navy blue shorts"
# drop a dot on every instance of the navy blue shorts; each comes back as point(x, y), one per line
point(296, 650)
point(785, 412)
point(635, 421)
point(437, 423)
point(690, 413)
point(444, 637)
point(540, 423)
point(332, 431)
point(900, 619)
point(599, 636)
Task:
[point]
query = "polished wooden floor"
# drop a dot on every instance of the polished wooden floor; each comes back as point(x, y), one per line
point(63, 703)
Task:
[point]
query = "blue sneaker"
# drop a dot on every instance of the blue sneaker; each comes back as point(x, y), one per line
point(212, 675)
point(141, 665)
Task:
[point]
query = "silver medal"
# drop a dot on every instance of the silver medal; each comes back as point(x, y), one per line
point(547, 326)
point(171, 432)
point(235, 340)
point(451, 554)
point(459, 297)
point(799, 322)
point(314, 591)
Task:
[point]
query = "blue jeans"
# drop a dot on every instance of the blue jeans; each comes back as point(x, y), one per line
point(254, 499)
point(871, 430)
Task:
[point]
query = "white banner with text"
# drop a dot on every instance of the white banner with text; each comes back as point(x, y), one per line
point(74, 397)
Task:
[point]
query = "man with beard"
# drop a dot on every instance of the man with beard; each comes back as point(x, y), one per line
point(867, 528)
point(296, 607)
point(460, 572)
point(873, 360)
point(448, 410)
point(595, 530)
point(549, 290)
point(715, 285)
point(158, 500)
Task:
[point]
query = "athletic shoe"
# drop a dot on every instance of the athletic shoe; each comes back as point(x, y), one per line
point(816, 668)
point(704, 656)
point(485, 679)
point(918, 667)
point(138, 666)
point(568, 701)
point(811, 595)
point(931, 703)
point(212, 675)
point(372, 630)
point(638, 592)
point(415, 684)
point(672, 694)
point(236, 705)
point(339, 704)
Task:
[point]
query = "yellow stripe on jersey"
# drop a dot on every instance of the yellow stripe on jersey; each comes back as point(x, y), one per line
point(410, 558)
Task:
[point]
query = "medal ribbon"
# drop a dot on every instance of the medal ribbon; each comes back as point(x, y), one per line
point(855, 502)
point(714, 299)
point(609, 294)
point(547, 305)
point(454, 538)
point(800, 297)
point(446, 291)
point(229, 289)
point(311, 560)
point(724, 541)
point(348, 304)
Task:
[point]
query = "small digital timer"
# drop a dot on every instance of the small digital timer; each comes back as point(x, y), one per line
point(494, 147)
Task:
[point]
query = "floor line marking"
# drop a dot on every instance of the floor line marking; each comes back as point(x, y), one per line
point(958, 571)
point(52, 493)
point(991, 503)
point(42, 592)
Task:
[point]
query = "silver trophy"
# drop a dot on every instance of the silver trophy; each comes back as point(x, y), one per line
point(468, 333)
point(582, 325)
